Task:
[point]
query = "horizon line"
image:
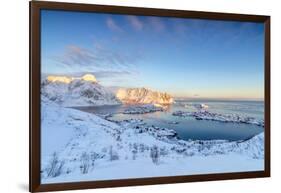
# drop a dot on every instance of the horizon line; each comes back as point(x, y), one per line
point(44, 75)
point(219, 98)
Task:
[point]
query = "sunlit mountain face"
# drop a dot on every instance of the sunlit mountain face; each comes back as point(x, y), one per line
point(144, 96)
point(68, 79)
point(86, 90)
point(77, 91)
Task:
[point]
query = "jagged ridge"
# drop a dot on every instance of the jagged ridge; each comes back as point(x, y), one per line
point(77, 91)
point(143, 96)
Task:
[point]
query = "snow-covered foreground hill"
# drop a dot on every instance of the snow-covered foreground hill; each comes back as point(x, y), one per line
point(78, 146)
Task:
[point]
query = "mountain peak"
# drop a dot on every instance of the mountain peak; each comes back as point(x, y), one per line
point(89, 77)
point(68, 79)
point(63, 79)
point(77, 91)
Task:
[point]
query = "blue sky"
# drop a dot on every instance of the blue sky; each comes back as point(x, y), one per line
point(184, 57)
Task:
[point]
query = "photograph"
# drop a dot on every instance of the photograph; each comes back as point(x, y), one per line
point(137, 96)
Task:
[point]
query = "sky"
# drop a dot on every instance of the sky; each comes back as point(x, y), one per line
point(190, 58)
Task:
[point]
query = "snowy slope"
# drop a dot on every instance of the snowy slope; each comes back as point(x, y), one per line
point(79, 146)
point(81, 91)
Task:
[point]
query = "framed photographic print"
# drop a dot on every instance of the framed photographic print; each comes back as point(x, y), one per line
point(123, 96)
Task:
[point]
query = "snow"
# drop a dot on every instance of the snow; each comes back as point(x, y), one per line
point(89, 77)
point(84, 91)
point(61, 125)
point(143, 96)
point(68, 79)
point(206, 115)
point(142, 109)
point(145, 168)
point(62, 79)
point(120, 150)
point(203, 106)
point(54, 136)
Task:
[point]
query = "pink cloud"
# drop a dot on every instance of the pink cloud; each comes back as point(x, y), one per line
point(111, 24)
point(135, 22)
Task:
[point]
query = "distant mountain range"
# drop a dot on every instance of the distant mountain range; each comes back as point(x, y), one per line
point(143, 96)
point(86, 91)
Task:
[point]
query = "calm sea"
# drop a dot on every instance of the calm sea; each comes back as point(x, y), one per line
point(190, 128)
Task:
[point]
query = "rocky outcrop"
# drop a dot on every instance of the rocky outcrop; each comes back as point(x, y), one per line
point(143, 96)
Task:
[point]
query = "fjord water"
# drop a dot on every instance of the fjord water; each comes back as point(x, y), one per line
point(190, 128)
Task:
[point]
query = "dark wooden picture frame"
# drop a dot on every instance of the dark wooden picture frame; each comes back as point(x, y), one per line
point(34, 100)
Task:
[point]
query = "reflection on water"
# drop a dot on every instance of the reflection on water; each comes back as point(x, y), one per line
point(190, 128)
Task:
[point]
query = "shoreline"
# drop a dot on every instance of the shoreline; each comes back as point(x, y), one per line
point(132, 142)
point(143, 111)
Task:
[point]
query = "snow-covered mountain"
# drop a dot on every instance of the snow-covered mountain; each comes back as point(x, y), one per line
point(76, 91)
point(86, 91)
point(80, 146)
point(143, 96)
